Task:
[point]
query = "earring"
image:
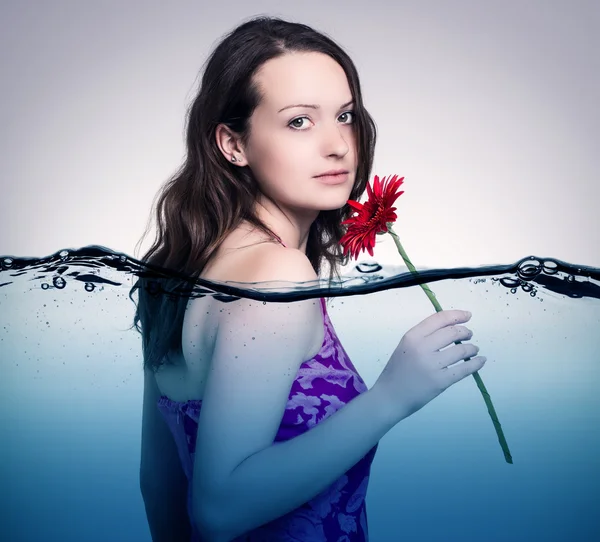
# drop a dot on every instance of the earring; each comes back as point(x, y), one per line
point(233, 159)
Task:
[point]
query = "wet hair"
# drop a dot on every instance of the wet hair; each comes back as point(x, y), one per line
point(208, 197)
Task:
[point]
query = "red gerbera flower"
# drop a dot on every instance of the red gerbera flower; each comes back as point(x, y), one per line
point(372, 216)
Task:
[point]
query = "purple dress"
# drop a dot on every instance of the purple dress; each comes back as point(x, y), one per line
point(322, 385)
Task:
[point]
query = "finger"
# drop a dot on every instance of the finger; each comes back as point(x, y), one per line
point(457, 372)
point(449, 335)
point(442, 319)
point(456, 353)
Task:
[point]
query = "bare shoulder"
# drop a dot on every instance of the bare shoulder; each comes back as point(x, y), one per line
point(271, 262)
point(268, 263)
point(273, 266)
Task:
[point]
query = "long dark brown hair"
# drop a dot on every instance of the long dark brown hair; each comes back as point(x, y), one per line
point(208, 197)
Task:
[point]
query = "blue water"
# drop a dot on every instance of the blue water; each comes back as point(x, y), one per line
point(71, 396)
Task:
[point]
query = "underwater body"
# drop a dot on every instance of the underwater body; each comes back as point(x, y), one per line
point(71, 397)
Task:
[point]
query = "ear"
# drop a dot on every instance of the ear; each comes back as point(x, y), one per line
point(229, 144)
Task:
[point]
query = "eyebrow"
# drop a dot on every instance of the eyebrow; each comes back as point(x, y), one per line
point(312, 106)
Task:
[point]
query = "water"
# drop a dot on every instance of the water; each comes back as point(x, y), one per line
point(71, 396)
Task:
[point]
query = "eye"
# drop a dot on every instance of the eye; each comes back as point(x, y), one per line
point(298, 128)
point(348, 113)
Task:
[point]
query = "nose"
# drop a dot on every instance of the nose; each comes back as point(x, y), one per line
point(334, 140)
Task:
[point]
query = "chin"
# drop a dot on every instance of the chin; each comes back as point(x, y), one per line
point(331, 204)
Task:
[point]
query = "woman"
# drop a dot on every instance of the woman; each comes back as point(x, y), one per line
point(256, 425)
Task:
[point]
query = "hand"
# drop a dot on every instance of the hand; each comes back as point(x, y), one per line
point(417, 371)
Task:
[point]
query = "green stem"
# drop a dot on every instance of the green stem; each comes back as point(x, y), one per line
point(480, 385)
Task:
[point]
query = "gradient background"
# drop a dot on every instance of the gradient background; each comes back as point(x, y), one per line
point(489, 110)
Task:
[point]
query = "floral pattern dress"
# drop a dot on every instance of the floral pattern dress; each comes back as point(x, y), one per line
point(323, 385)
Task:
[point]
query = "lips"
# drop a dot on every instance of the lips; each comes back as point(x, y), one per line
point(333, 179)
point(332, 172)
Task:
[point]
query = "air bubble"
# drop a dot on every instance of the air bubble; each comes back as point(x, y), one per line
point(368, 267)
point(550, 267)
point(59, 282)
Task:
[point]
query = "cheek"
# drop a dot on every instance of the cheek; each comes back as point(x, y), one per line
point(271, 160)
point(283, 156)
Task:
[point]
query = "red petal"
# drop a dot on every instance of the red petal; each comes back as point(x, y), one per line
point(372, 216)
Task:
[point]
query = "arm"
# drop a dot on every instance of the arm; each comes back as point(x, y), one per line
point(285, 475)
point(242, 479)
point(162, 480)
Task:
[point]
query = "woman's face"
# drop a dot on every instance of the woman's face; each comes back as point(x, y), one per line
point(289, 146)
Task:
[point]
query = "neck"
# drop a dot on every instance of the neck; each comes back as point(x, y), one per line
point(292, 228)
